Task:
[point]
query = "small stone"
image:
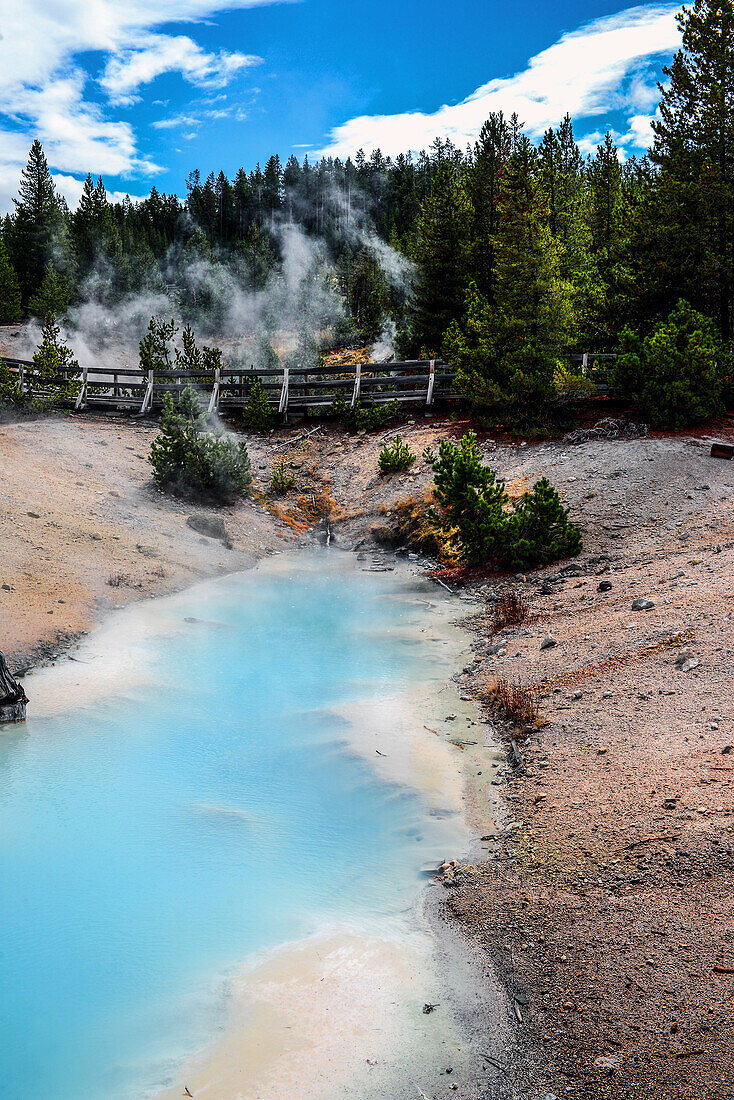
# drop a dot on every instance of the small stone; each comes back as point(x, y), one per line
point(601, 751)
point(604, 586)
point(576, 695)
point(548, 642)
point(642, 604)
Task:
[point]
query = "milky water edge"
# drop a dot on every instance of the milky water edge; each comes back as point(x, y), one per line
point(216, 802)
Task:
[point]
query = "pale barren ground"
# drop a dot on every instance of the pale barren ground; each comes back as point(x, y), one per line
point(608, 914)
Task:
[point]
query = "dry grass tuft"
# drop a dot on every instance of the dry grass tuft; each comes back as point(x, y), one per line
point(421, 528)
point(118, 580)
point(518, 703)
point(510, 610)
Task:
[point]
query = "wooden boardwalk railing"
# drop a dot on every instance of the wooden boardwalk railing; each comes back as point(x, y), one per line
point(289, 389)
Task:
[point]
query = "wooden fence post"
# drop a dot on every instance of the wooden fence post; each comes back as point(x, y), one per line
point(82, 395)
point(214, 399)
point(357, 384)
point(148, 398)
point(283, 403)
point(431, 380)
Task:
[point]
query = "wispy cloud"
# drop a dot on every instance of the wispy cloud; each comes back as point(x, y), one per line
point(155, 54)
point(599, 68)
point(45, 92)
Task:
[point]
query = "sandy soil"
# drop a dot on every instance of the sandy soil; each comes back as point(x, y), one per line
point(605, 898)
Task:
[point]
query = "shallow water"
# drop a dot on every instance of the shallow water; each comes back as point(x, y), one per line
point(153, 840)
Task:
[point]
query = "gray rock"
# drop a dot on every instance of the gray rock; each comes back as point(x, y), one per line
point(604, 586)
point(548, 642)
point(211, 526)
point(686, 661)
point(642, 604)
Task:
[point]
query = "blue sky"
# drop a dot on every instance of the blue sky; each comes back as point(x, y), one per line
point(142, 91)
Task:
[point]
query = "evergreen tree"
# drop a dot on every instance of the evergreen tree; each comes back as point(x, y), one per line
point(90, 223)
point(483, 186)
point(441, 254)
point(10, 308)
point(694, 151)
point(38, 217)
point(257, 414)
point(53, 357)
point(507, 352)
point(605, 199)
point(52, 297)
point(368, 295)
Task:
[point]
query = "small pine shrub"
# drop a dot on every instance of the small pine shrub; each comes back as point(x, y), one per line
point(53, 357)
point(188, 461)
point(257, 414)
point(473, 499)
point(395, 457)
point(12, 394)
point(677, 375)
point(539, 531)
point(534, 531)
point(282, 479)
point(371, 418)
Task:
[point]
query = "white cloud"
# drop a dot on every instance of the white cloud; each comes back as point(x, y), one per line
point(44, 91)
point(588, 72)
point(156, 54)
point(174, 121)
point(71, 188)
point(639, 133)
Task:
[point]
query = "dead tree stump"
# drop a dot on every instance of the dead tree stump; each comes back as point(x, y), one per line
point(12, 697)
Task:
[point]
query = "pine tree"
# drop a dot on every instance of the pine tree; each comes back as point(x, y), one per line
point(90, 223)
point(53, 356)
point(484, 186)
point(37, 221)
point(507, 352)
point(52, 297)
point(10, 308)
point(539, 530)
point(441, 254)
point(257, 414)
point(367, 295)
point(605, 202)
point(694, 151)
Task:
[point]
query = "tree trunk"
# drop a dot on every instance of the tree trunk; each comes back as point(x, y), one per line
point(12, 697)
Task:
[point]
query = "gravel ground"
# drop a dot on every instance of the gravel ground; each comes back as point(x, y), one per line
point(603, 899)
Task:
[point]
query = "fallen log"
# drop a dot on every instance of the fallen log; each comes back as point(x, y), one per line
point(12, 697)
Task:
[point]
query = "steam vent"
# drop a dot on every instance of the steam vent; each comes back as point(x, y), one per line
point(12, 697)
